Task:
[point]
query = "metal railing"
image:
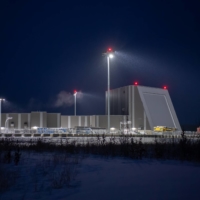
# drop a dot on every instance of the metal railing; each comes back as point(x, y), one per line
point(64, 132)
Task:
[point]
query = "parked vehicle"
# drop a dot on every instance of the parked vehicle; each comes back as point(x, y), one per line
point(163, 129)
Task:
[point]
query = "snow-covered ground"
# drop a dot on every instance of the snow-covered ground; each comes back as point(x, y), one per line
point(84, 140)
point(57, 176)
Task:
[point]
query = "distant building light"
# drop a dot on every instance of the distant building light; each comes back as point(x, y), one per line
point(136, 83)
point(34, 127)
point(165, 87)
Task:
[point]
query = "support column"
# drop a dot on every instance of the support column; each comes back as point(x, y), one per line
point(41, 119)
point(108, 95)
point(69, 121)
point(58, 120)
point(129, 106)
point(79, 120)
point(29, 120)
point(90, 125)
point(97, 121)
point(144, 122)
point(19, 121)
point(132, 107)
point(85, 120)
point(0, 116)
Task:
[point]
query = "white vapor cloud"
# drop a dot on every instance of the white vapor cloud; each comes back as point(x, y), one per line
point(64, 99)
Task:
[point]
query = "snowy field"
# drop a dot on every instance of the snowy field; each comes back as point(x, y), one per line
point(60, 176)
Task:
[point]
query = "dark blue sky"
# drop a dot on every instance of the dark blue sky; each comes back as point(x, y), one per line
point(49, 48)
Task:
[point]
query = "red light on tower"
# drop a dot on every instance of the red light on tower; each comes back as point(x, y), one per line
point(136, 83)
point(165, 87)
point(109, 49)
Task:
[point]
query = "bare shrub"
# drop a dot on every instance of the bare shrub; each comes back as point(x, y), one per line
point(17, 157)
point(7, 157)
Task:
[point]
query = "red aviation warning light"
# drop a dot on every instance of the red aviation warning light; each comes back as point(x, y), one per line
point(109, 50)
point(109, 53)
point(165, 87)
point(136, 83)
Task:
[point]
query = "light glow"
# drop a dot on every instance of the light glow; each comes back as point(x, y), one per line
point(136, 83)
point(165, 87)
point(111, 55)
point(34, 127)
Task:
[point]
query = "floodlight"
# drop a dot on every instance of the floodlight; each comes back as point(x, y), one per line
point(111, 55)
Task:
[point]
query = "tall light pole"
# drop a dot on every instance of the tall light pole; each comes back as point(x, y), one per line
point(109, 54)
point(75, 93)
point(0, 112)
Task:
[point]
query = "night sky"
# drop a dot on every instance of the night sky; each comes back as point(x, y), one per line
point(50, 48)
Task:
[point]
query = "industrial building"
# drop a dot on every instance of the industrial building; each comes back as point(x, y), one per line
point(56, 120)
point(146, 107)
point(143, 107)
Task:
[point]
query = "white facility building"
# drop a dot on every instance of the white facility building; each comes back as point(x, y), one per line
point(143, 107)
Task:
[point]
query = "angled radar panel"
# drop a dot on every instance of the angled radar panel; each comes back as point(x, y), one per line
point(158, 107)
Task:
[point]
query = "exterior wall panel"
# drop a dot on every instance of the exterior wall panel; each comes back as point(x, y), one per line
point(53, 120)
point(139, 110)
point(64, 121)
point(24, 120)
point(74, 121)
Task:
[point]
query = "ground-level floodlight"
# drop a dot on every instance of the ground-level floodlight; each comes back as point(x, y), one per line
point(75, 93)
point(34, 127)
point(109, 54)
point(0, 112)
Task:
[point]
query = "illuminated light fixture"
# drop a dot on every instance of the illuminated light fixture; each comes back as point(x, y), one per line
point(136, 83)
point(111, 55)
point(165, 87)
point(112, 128)
point(34, 127)
point(133, 128)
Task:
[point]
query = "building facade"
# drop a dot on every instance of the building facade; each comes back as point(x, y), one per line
point(143, 107)
point(146, 107)
point(56, 120)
